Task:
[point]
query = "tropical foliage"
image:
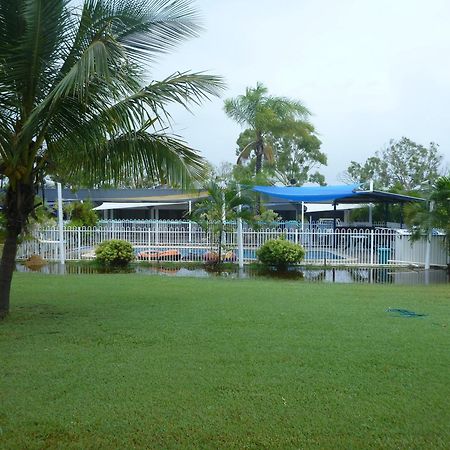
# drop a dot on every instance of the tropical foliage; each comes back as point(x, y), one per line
point(76, 105)
point(223, 204)
point(82, 214)
point(277, 133)
point(433, 214)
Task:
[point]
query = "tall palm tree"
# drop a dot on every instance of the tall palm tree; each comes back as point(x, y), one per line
point(74, 103)
point(265, 118)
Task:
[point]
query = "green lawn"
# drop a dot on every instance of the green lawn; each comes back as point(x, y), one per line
point(128, 361)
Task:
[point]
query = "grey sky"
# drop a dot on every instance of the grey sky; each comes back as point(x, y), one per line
point(369, 70)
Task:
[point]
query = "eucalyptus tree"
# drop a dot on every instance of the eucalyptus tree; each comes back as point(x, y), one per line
point(297, 155)
point(75, 103)
point(402, 165)
point(266, 118)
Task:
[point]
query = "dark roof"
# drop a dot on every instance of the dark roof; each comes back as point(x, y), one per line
point(124, 195)
point(379, 197)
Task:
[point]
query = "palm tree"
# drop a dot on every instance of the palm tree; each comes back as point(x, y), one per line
point(265, 118)
point(74, 103)
point(223, 204)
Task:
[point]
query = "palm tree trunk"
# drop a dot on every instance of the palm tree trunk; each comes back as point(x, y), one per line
point(258, 167)
point(19, 204)
point(7, 265)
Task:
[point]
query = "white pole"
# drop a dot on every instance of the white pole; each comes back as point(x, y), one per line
point(190, 221)
point(62, 256)
point(303, 214)
point(428, 248)
point(371, 248)
point(157, 226)
point(240, 240)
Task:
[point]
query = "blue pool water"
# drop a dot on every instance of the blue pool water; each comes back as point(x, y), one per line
point(322, 254)
point(197, 253)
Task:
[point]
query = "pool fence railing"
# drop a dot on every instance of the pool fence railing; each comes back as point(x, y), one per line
point(160, 240)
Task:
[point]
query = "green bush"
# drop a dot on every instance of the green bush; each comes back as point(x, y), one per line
point(114, 253)
point(81, 214)
point(280, 253)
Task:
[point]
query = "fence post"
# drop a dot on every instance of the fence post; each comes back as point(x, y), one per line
point(149, 240)
point(371, 247)
point(62, 255)
point(190, 221)
point(428, 247)
point(79, 242)
point(240, 239)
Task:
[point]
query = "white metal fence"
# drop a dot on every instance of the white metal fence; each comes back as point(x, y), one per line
point(186, 241)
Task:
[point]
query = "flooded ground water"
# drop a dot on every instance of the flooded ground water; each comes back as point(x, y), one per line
point(405, 276)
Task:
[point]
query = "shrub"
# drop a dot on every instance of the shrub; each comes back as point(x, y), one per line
point(280, 253)
point(267, 217)
point(81, 214)
point(115, 253)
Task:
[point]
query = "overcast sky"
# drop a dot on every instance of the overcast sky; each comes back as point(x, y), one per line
point(369, 70)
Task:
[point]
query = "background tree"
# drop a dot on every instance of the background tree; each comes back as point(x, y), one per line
point(272, 124)
point(402, 166)
point(74, 103)
point(81, 214)
point(297, 155)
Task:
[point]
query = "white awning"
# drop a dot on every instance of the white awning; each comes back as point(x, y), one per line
point(318, 207)
point(112, 205)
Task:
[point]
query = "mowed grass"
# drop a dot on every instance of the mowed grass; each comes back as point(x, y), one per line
point(127, 361)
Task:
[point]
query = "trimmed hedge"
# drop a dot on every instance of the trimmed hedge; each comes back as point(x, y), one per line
point(280, 253)
point(115, 253)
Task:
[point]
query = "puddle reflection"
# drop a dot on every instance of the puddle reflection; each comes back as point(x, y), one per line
point(306, 274)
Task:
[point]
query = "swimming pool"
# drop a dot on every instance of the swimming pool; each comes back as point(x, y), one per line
point(197, 254)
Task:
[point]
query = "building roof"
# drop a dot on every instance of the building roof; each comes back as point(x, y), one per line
point(126, 195)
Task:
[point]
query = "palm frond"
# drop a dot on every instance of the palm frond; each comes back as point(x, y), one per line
point(144, 28)
point(161, 158)
point(268, 153)
point(32, 54)
point(235, 110)
point(156, 26)
point(88, 104)
point(245, 153)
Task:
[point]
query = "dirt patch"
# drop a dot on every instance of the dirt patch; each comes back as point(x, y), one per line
point(35, 262)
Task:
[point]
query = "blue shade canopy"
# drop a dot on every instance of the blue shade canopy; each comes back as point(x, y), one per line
point(334, 194)
point(312, 194)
